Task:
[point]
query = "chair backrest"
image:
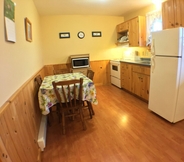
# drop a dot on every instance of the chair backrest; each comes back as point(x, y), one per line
point(90, 74)
point(60, 71)
point(38, 79)
point(69, 92)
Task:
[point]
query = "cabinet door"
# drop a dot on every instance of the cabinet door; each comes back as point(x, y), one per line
point(179, 12)
point(128, 72)
point(134, 32)
point(118, 28)
point(123, 78)
point(126, 76)
point(168, 19)
point(182, 12)
point(147, 88)
point(141, 85)
point(172, 14)
point(136, 83)
point(144, 84)
point(125, 26)
point(130, 77)
point(122, 27)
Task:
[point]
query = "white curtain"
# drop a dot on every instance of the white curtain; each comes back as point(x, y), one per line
point(154, 23)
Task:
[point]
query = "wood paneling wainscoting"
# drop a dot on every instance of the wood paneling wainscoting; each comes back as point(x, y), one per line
point(19, 124)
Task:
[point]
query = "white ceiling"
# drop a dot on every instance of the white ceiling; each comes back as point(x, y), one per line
point(89, 7)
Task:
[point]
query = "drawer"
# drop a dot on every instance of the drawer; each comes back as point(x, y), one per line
point(141, 69)
point(125, 66)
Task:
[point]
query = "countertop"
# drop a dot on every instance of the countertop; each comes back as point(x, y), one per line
point(145, 63)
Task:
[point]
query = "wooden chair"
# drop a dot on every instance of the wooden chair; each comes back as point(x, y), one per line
point(90, 74)
point(69, 106)
point(38, 79)
point(60, 71)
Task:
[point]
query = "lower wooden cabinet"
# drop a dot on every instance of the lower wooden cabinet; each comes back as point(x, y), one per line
point(141, 85)
point(136, 79)
point(126, 76)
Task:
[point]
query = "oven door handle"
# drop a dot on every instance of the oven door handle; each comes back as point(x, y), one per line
point(113, 64)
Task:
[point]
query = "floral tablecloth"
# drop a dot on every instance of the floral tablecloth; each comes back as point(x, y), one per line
point(47, 97)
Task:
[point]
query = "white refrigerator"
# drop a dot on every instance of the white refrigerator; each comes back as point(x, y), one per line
point(166, 96)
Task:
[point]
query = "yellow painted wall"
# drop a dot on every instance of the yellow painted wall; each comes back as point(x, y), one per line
point(141, 12)
point(20, 60)
point(100, 48)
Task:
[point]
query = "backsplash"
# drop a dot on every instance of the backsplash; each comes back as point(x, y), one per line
point(134, 53)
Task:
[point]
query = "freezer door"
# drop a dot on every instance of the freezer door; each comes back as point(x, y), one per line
point(164, 82)
point(167, 42)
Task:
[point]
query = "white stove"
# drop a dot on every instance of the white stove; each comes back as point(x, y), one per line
point(115, 70)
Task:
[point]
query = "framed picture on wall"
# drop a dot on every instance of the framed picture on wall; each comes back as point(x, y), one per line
point(64, 35)
point(28, 30)
point(96, 33)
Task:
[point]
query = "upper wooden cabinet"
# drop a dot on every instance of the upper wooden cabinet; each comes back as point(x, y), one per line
point(137, 31)
point(123, 27)
point(172, 14)
point(134, 30)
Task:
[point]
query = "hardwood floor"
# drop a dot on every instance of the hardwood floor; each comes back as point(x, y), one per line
point(122, 130)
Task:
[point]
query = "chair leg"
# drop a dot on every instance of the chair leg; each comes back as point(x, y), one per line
point(89, 108)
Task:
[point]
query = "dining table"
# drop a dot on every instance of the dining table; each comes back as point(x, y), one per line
point(47, 97)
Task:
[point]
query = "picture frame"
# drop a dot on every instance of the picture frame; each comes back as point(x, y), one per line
point(96, 33)
point(64, 35)
point(28, 30)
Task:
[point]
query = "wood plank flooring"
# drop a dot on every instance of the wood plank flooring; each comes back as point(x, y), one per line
point(122, 130)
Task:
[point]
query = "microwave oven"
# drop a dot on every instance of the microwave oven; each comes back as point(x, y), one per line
point(80, 62)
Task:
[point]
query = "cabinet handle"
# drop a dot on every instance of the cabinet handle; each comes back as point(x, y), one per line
point(172, 24)
point(176, 23)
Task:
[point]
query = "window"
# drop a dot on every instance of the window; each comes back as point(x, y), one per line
point(154, 23)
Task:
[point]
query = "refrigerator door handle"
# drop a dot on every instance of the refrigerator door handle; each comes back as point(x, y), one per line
point(153, 55)
point(153, 47)
point(152, 63)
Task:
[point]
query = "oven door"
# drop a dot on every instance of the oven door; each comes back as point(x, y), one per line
point(115, 69)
